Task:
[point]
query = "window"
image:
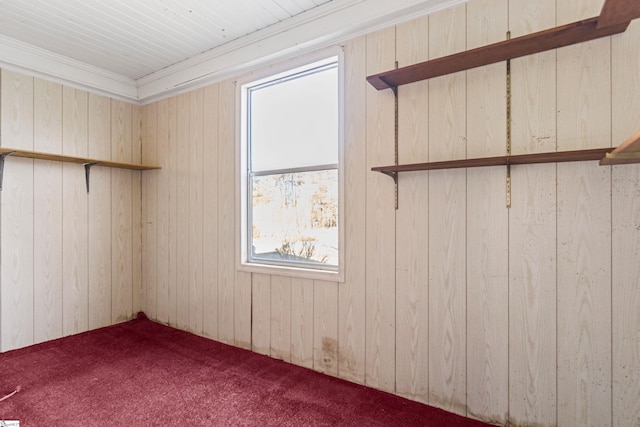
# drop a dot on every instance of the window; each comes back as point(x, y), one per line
point(290, 169)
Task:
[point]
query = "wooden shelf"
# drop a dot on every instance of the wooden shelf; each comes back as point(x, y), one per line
point(614, 18)
point(73, 159)
point(520, 159)
point(88, 163)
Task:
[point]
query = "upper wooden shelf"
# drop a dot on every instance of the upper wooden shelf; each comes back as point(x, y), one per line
point(613, 19)
point(520, 159)
point(73, 159)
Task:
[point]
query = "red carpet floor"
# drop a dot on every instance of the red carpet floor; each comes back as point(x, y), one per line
point(141, 373)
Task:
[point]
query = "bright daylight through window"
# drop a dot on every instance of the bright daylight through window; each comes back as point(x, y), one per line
point(291, 150)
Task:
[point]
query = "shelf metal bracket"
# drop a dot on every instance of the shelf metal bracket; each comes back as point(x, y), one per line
point(2, 157)
point(87, 172)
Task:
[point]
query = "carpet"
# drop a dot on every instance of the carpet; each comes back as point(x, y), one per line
point(141, 373)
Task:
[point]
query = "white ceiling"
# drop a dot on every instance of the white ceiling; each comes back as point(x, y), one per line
point(142, 50)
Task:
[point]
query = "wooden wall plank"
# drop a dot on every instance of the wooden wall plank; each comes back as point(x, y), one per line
point(532, 227)
point(447, 215)
point(150, 208)
point(242, 310)
point(241, 281)
point(412, 266)
point(351, 293)
point(16, 302)
point(532, 296)
point(281, 318)
point(47, 213)
point(325, 327)
point(584, 227)
point(210, 211)
point(533, 79)
point(302, 319)
point(380, 220)
point(487, 223)
point(137, 122)
point(182, 212)
point(625, 74)
point(226, 216)
point(122, 215)
point(584, 294)
point(261, 313)
point(172, 170)
point(74, 213)
point(626, 295)
point(99, 211)
point(163, 178)
point(196, 187)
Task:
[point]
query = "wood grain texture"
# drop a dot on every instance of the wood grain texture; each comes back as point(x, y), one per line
point(447, 212)
point(122, 215)
point(196, 187)
point(584, 228)
point(532, 296)
point(487, 223)
point(261, 313)
point(380, 220)
point(182, 212)
point(412, 220)
point(137, 131)
point(99, 211)
point(74, 214)
point(17, 245)
point(47, 224)
point(281, 318)
point(302, 294)
point(351, 293)
point(584, 85)
point(210, 211)
point(532, 226)
point(626, 295)
point(533, 79)
point(226, 217)
point(325, 327)
point(575, 10)
point(236, 290)
point(242, 310)
point(150, 208)
point(163, 179)
point(625, 237)
point(584, 294)
point(172, 170)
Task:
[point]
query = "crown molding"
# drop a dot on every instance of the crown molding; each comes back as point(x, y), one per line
point(30, 60)
point(320, 28)
point(323, 26)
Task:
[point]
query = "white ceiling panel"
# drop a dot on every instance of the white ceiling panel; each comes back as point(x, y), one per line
point(135, 38)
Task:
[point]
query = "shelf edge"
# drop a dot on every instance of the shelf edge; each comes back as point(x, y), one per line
point(519, 159)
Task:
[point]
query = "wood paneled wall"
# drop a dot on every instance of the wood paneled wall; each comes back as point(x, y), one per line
point(69, 261)
point(525, 316)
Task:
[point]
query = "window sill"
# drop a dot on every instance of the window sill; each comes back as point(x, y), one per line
point(300, 273)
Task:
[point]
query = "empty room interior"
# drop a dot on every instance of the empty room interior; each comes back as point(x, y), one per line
point(434, 201)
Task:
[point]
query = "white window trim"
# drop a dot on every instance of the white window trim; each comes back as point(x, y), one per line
point(241, 173)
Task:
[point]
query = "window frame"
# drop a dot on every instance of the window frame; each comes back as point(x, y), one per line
point(293, 269)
